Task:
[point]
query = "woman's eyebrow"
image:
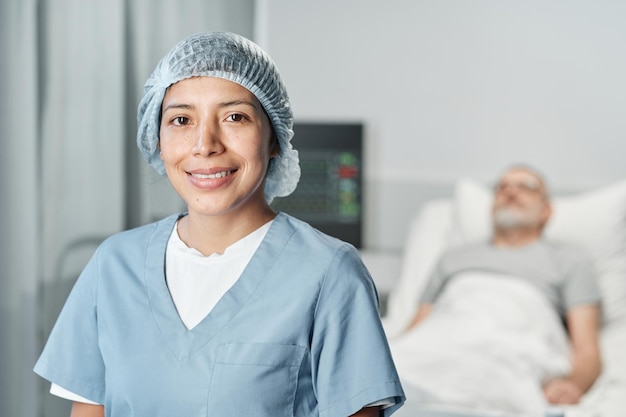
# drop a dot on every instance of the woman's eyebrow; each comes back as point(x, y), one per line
point(177, 106)
point(238, 102)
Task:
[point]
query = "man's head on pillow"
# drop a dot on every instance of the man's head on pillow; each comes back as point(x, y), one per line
point(521, 206)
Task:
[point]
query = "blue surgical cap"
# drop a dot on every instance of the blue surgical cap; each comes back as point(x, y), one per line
point(237, 59)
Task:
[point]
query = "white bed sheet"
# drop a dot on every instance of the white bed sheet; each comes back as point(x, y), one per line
point(488, 336)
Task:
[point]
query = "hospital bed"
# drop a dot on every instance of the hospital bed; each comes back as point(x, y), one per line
point(594, 219)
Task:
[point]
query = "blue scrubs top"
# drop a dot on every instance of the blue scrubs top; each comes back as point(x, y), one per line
point(298, 334)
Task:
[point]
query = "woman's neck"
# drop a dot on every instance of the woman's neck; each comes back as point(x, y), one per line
point(213, 234)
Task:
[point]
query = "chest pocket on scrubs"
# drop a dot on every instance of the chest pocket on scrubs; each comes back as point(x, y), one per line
point(255, 379)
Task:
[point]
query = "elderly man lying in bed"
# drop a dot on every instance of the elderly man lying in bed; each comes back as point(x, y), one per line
point(510, 324)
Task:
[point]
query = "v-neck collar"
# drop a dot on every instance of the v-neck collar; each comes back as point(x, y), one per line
point(181, 341)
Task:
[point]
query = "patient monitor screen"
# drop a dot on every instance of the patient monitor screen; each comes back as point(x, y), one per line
point(328, 195)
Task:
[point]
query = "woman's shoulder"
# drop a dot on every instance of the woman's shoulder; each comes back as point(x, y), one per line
point(308, 250)
point(307, 238)
point(126, 240)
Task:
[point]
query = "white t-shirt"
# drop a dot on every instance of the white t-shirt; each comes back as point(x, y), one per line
point(197, 282)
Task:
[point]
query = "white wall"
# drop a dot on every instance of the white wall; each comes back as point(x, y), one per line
point(449, 88)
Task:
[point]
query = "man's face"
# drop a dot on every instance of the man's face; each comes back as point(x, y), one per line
point(520, 201)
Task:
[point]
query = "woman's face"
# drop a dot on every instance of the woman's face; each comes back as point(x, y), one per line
point(215, 142)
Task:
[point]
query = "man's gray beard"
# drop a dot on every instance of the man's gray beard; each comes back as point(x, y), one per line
point(510, 218)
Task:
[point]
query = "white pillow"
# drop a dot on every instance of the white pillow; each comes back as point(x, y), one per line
point(595, 220)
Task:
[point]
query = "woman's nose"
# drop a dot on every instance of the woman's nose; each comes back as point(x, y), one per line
point(209, 140)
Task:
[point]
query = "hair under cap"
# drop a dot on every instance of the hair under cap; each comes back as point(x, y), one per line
point(235, 58)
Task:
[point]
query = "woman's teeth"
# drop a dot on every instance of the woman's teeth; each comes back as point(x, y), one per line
point(212, 176)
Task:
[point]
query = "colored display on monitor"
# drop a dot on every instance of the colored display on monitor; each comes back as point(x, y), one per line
point(329, 194)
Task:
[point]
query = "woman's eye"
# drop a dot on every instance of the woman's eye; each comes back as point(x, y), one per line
point(236, 117)
point(180, 120)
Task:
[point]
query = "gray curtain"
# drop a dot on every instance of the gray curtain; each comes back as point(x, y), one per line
point(71, 77)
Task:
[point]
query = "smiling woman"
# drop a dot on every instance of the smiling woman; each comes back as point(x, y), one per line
point(228, 309)
point(216, 144)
